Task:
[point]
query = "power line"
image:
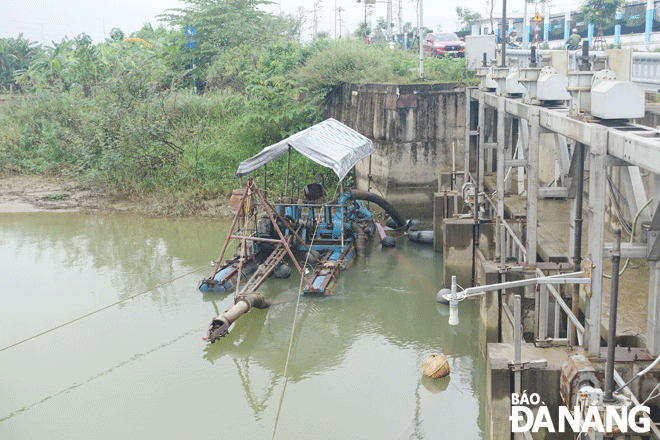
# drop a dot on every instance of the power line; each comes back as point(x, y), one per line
point(102, 308)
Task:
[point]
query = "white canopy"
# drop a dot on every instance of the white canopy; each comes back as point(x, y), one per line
point(329, 143)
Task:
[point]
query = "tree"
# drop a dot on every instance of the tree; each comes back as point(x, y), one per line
point(363, 30)
point(490, 4)
point(221, 23)
point(116, 34)
point(601, 13)
point(318, 6)
point(16, 55)
point(467, 17)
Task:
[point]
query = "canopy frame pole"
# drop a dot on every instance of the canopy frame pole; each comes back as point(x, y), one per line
point(341, 190)
point(288, 167)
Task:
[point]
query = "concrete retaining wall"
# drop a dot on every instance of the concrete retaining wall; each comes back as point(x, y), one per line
point(418, 131)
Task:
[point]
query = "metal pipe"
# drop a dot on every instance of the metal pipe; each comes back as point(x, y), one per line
point(611, 334)
point(378, 200)
point(288, 167)
point(504, 34)
point(219, 327)
point(585, 66)
point(577, 237)
point(517, 355)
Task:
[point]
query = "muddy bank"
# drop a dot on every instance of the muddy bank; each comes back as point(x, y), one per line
point(29, 193)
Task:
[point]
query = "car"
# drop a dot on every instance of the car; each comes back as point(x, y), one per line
point(444, 43)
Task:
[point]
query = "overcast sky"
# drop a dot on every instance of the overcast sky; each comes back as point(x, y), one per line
point(45, 21)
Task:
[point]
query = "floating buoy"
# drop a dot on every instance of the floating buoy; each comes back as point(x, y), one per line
point(390, 223)
point(439, 296)
point(435, 366)
point(423, 237)
point(388, 242)
point(282, 271)
point(313, 257)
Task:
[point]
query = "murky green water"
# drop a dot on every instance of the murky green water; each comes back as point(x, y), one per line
point(141, 370)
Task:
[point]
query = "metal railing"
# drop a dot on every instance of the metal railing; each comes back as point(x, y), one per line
point(511, 246)
point(645, 66)
point(542, 329)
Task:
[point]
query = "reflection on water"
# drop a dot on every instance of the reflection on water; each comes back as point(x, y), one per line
point(141, 370)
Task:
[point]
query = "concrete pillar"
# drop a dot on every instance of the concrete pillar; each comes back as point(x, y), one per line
point(596, 218)
point(546, 26)
point(501, 143)
point(457, 250)
point(653, 317)
point(617, 28)
point(480, 146)
point(590, 34)
point(468, 127)
point(567, 27)
point(650, 15)
point(532, 184)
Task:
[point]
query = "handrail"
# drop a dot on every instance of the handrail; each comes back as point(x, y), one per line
point(564, 306)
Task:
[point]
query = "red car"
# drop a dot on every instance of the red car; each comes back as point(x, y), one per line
point(444, 43)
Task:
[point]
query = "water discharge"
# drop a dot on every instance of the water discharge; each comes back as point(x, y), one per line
point(141, 370)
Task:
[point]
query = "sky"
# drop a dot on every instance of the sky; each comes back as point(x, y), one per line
point(46, 21)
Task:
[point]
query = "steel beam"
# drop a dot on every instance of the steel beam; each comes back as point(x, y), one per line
point(468, 133)
point(532, 186)
point(563, 157)
point(653, 317)
point(633, 187)
point(480, 145)
point(553, 192)
point(596, 217)
point(628, 250)
point(635, 149)
point(501, 143)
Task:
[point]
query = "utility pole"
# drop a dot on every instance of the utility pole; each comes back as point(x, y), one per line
point(335, 19)
point(421, 46)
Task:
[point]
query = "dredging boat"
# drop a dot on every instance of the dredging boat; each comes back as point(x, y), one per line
point(327, 234)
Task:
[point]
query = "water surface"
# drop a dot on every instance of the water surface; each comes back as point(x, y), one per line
point(139, 369)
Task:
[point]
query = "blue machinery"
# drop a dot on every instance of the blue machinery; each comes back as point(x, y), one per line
point(329, 235)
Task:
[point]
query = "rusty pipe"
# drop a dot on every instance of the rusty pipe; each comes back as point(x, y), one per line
point(219, 327)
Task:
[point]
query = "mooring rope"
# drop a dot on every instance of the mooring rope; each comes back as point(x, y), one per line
point(103, 308)
point(293, 328)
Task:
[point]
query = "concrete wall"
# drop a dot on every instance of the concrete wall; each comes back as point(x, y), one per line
point(415, 129)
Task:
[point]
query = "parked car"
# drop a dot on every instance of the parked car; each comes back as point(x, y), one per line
point(444, 43)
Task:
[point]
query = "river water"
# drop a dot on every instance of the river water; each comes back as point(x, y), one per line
point(140, 369)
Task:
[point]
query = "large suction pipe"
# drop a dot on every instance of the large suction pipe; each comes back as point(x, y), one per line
point(220, 325)
point(371, 197)
point(360, 239)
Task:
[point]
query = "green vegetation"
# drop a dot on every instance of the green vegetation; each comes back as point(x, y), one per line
point(121, 114)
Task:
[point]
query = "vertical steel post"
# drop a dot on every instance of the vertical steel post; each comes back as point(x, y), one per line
point(501, 142)
point(611, 334)
point(577, 235)
point(478, 185)
point(542, 318)
point(468, 129)
point(532, 185)
point(597, 198)
point(504, 34)
point(517, 354)
point(653, 318)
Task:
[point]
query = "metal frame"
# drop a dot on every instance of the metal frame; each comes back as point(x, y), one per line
point(608, 144)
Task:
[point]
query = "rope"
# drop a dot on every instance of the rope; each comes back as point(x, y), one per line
point(293, 328)
point(102, 308)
